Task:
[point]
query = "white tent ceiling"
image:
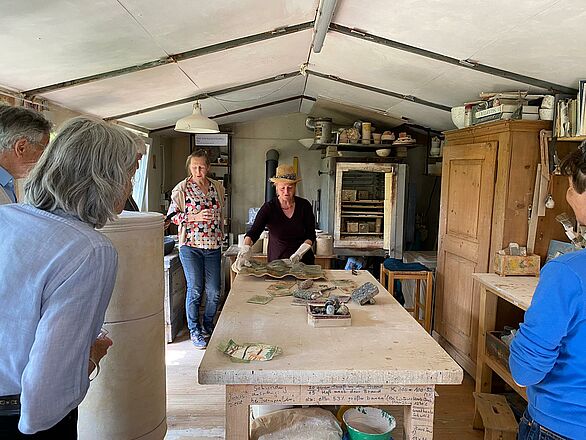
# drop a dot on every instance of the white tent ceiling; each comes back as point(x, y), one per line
point(397, 60)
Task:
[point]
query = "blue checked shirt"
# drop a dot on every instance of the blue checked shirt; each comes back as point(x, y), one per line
point(7, 184)
point(56, 279)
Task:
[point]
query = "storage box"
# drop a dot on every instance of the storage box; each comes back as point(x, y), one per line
point(352, 226)
point(321, 320)
point(363, 228)
point(497, 349)
point(348, 195)
point(517, 265)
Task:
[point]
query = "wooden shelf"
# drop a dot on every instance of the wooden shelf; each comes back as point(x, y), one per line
point(571, 139)
point(370, 202)
point(504, 374)
point(363, 214)
point(215, 164)
point(361, 233)
point(358, 147)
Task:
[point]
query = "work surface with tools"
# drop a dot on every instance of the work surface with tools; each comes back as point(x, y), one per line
point(384, 357)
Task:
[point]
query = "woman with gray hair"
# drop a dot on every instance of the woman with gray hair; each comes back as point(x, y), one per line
point(57, 276)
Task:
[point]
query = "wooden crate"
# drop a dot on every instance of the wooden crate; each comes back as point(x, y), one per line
point(517, 265)
point(497, 349)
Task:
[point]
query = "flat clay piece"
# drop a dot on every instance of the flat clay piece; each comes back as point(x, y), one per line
point(259, 299)
point(280, 269)
point(365, 293)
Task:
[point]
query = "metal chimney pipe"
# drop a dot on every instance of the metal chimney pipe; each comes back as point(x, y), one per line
point(272, 160)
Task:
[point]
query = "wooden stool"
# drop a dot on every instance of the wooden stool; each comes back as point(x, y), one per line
point(495, 416)
point(426, 306)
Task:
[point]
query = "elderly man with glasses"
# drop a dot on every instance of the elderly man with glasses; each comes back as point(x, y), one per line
point(24, 134)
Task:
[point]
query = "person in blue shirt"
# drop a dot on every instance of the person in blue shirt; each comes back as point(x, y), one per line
point(57, 275)
point(24, 134)
point(548, 353)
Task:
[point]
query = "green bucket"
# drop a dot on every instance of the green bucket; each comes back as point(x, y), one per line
point(367, 423)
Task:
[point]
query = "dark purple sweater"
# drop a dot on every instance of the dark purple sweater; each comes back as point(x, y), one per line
point(285, 234)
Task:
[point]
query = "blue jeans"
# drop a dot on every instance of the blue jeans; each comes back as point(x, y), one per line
point(529, 429)
point(202, 271)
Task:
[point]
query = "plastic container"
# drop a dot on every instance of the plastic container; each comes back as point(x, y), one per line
point(367, 423)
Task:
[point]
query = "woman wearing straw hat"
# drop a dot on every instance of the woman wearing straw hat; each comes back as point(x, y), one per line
point(290, 221)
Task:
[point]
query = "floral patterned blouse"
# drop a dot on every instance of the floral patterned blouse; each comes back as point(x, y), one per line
point(203, 235)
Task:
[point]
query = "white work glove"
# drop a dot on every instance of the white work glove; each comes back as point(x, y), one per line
point(294, 259)
point(242, 259)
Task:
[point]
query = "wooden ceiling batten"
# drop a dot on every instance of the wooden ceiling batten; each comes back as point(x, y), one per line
point(175, 58)
point(206, 95)
point(402, 96)
point(468, 64)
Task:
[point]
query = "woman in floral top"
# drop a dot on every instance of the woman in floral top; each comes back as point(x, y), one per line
point(198, 202)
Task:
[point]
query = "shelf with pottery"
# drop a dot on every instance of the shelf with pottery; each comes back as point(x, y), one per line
point(359, 147)
point(571, 139)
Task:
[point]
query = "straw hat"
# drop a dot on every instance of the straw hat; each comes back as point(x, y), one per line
point(285, 174)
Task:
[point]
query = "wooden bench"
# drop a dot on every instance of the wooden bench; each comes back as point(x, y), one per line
point(495, 416)
point(421, 311)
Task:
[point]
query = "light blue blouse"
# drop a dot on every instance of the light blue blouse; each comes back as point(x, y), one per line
point(56, 279)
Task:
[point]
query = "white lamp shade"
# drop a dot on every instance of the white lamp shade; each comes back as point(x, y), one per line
point(196, 123)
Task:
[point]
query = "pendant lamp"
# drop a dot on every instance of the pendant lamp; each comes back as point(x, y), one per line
point(196, 122)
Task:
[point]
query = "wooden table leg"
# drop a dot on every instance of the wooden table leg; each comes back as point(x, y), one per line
point(237, 413)
point(486, 323)
point(418, 417)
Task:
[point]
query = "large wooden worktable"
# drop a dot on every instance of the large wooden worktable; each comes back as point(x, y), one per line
point(384, 358)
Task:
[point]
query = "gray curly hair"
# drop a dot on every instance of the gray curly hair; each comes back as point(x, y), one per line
point(86, 171)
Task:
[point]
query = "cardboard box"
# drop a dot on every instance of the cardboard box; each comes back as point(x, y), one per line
point(517, 265)
point(363, 228)
point(348, 195)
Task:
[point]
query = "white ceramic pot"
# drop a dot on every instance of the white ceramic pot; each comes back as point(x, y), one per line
point(459, 116)
point(127, 400)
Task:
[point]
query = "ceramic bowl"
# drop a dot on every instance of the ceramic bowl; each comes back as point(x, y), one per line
point(383, 152)
point(307, 142)
point(458, 116)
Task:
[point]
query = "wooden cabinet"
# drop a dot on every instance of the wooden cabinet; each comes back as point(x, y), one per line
point(488, 177)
